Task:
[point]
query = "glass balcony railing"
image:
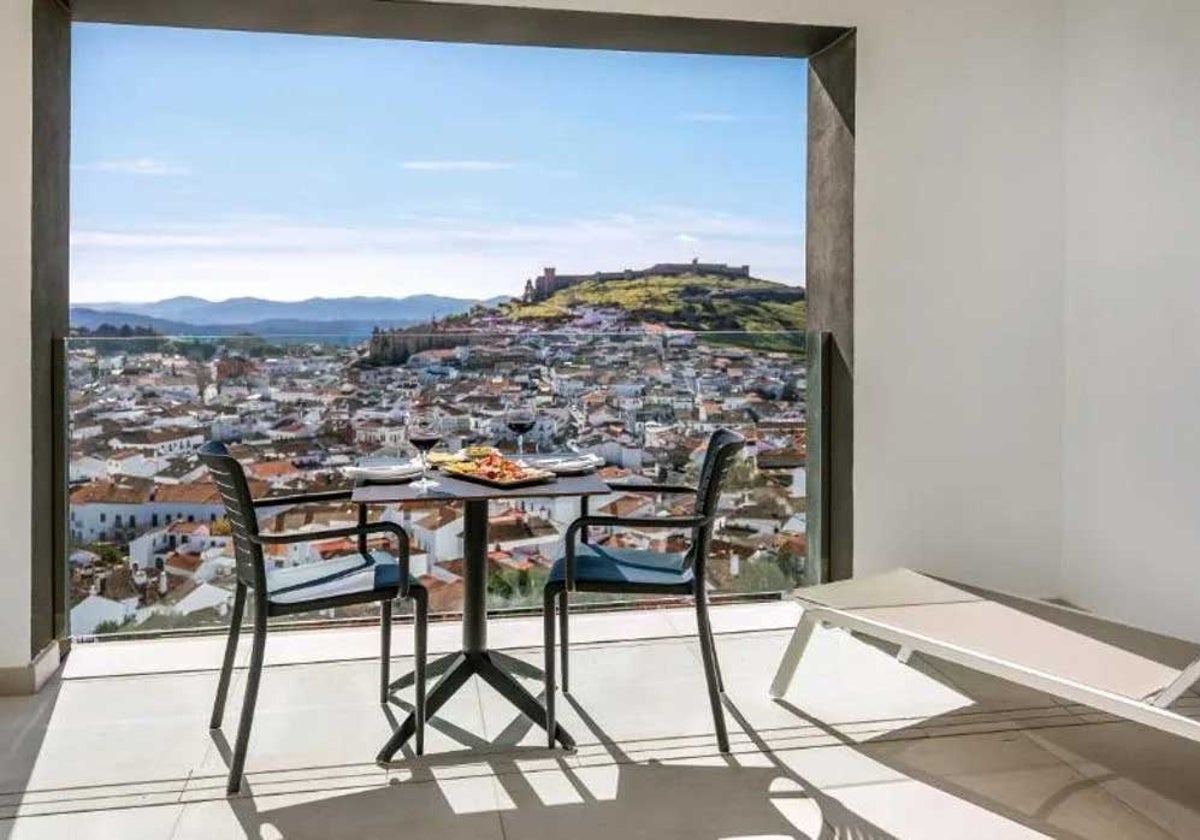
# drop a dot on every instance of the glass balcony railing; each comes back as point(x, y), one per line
point(148, 546)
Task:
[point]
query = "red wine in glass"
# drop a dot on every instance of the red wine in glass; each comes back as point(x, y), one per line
point(520, 427)
point(520, 422)
point(424, 433)
point(424, 442)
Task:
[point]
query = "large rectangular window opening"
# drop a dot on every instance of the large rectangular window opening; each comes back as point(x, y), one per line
point(286, 242)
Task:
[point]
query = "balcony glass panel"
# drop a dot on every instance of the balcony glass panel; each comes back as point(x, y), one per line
point(148, 544)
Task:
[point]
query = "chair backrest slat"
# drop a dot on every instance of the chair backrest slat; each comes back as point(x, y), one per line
point(231, 484)
point(723, 448)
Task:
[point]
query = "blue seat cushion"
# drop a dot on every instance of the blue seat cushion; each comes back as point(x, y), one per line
point(339, 576)
point(624, 566)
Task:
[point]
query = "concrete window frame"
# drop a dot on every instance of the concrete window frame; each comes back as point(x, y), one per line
point(829, 234)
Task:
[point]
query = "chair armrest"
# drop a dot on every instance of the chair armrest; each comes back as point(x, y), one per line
point(304, 498)
point(651, 488)
point(635, 521)
point(293, 537)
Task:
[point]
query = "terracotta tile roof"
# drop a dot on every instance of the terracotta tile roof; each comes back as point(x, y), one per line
point(198, 493)
point(126, 492)
point(624, 506)
point(201, 492)
point(504, 560)
point(118, 585)
point(781, 459)
point(348, 545)
point(272, 469)
point(444, 515)
point(145, 437)
point(183, 562)
point(179, 527)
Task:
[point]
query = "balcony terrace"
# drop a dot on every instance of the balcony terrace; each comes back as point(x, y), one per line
point(1000, 264)
point(862, 746)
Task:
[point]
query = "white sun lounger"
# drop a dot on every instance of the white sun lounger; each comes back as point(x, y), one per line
point(1057, 650)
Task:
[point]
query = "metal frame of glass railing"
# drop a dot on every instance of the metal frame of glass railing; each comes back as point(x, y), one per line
point(452, 617)
point(819, 345)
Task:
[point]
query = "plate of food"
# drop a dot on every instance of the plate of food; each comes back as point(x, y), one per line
point(497, 471)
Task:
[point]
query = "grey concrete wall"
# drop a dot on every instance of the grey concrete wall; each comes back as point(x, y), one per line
point(571, 25)
point(830, 285)
point(51, 105)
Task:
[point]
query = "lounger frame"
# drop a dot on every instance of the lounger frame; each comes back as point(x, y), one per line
point(1150, 711)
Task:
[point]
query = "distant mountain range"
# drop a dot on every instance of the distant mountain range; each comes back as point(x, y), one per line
point(349, 316)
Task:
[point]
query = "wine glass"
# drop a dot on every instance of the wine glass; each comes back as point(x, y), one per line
point(424, 429)
point(520, 419)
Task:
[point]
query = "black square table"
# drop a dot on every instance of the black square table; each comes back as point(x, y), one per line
point(474, 658)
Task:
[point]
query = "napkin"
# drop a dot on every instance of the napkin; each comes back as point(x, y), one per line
point(384, 472)
point(572, 464)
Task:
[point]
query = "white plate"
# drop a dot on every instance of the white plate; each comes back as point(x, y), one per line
point(384, 472)
point(573, 465)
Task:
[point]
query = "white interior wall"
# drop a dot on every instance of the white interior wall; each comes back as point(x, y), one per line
point(1131, 434)
point(958, 282)
point(16, 80)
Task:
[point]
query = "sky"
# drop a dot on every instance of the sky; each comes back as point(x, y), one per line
point(223, 164)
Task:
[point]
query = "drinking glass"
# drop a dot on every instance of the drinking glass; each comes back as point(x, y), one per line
point(424, 429)
point(520, 419)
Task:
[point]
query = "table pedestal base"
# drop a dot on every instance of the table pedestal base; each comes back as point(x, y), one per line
point(474, 659)
point(456, 669)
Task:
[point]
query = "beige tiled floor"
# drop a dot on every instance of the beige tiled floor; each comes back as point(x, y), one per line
point(862, 747)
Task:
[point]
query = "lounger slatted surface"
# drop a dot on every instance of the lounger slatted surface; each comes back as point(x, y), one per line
point(1039, 645)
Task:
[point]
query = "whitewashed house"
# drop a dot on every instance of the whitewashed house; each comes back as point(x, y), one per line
point(148, 550)
point(95, 610)
point(439, 532)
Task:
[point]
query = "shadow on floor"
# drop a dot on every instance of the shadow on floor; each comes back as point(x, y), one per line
point(542, 794)
point(1080, 764)
point(26, 721)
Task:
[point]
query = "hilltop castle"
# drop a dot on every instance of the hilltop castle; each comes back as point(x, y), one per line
point(540, 288)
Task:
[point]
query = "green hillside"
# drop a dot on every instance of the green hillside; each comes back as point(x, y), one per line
point(691, 302)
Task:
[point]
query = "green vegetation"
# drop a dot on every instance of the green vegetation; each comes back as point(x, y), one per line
point(112, 626)
point(690, 302)
point(768, 342)
point(762, 577)
point(512, 588)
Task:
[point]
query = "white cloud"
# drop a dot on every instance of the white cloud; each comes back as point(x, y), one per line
point(458, 165)
point(136, 166)
point(279, 259)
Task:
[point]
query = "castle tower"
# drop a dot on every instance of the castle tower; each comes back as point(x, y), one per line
point(547, 284)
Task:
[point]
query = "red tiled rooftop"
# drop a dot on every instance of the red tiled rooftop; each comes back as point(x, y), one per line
point(128, 492)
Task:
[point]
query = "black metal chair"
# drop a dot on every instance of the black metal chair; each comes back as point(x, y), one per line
point(590, 568)
point(362, 578)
